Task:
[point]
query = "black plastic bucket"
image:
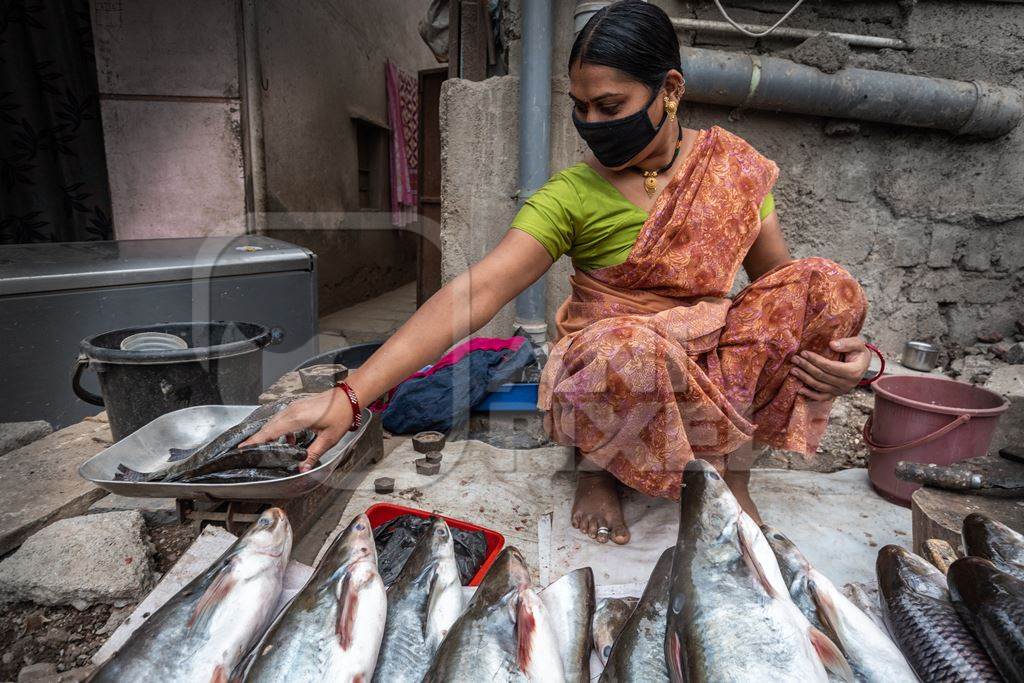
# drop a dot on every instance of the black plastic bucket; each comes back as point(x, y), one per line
point(146, 372)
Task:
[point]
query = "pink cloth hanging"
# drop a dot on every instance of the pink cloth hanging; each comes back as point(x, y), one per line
point(403, 114)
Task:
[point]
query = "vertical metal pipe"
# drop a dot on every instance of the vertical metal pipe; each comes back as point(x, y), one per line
point(534, 141)
point(252, 104)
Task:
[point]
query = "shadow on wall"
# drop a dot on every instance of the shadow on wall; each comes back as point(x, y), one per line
point(360, 254)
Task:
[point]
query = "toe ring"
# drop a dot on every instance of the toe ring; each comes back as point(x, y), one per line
point(603, 531)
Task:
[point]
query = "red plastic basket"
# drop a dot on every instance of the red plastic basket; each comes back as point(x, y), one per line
point(381, 513)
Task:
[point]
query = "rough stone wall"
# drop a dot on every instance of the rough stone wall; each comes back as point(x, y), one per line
point(932, 225)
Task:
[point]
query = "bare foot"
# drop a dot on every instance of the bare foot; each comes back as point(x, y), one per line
point(739, 484)
point(598, 506)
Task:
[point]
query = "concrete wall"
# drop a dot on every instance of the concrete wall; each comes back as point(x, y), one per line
point(169, 88)
point(323, 62)
point(932, 225)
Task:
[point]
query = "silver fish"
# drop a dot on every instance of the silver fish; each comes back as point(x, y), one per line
point(504, 634)
point(872, 654)
point(570, 606)
point(727, 619)
point(202, 632)
point(609, 617)
point(866, 599)
point(331, 630)
point(422, 606)
point(639, 652)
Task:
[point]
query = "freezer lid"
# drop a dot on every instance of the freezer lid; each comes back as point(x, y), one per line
point(26, 268)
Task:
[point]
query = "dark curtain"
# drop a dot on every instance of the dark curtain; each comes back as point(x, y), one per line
point(53, 171)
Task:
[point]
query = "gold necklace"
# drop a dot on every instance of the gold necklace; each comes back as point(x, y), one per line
point(651, 177)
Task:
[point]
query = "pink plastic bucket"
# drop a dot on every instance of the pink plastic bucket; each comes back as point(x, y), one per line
point(927, 420)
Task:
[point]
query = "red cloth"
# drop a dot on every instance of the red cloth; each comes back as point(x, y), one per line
point(403, 117)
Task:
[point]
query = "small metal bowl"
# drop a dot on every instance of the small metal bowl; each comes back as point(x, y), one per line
point(919, 355)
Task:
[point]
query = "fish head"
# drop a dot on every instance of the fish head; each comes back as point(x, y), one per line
point(985, 537)
point(354, 544)
point(899, 570)
point(270, 534)
point(792, 562)
point(509, 573)
point(709, 511)
point(440, 539)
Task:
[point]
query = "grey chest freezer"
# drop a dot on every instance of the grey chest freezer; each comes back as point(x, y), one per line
point(54, 295)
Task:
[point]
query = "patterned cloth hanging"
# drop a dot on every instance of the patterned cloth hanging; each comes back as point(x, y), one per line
point(403, 117)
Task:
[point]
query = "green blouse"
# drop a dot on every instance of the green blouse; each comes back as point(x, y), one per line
point(596, 233)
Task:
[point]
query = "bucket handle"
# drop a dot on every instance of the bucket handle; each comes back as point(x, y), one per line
point(880, 448)
point(76, 382)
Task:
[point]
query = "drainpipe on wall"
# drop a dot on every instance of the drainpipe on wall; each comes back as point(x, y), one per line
point(758, 82)
point(252, 103)
point(534, 143)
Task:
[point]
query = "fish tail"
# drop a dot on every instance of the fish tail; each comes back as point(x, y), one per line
point(176, 454)
point(125, 473)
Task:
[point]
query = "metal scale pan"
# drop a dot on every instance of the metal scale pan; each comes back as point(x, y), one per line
point(146, 450)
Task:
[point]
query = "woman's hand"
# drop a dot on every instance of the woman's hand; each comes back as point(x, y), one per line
point(825, 379)
point(329, 414)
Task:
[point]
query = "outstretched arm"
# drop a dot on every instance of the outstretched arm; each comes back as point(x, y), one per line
point(458, 309)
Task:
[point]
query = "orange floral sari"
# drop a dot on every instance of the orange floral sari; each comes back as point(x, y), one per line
point(655, 366)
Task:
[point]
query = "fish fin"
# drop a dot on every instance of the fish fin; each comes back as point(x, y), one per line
point(674, 657)
point(750, 558)
point(125, 473)
point(826, 608)
point(219, 675)
point(176, 454)
point(526, 623)
point(830, 655)
point(219, 588)
point(349, 600)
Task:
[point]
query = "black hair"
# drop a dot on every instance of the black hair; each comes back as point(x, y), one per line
point(632, 36)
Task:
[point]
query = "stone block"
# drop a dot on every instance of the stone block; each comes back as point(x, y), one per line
point(17, 434)
point(154, 510)
point(942, 249)
point(39, 483)
point(82, 561)
point(1008, 382)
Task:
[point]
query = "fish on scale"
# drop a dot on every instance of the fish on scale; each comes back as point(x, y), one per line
point(222, 452)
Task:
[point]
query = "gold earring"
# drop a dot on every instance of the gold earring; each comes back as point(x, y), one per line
point(670, 107)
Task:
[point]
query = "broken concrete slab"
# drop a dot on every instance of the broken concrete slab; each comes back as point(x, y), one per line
point(81, 561)
point(39, 483)
point(154, 510)
point(17, 434)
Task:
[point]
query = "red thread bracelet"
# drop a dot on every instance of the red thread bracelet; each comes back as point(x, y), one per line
point(867, 382)
point(357, 413)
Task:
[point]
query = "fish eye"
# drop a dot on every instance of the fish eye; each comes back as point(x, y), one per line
point(607, 651)
point(359, 527)
point(263, 521)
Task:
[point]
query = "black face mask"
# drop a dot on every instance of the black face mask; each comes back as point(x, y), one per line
point(617, 141)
